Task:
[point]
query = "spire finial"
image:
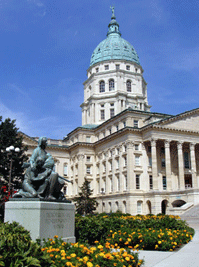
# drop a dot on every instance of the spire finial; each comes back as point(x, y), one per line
point(113, 10)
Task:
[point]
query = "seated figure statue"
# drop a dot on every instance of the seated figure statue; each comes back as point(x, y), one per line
point(40, 181)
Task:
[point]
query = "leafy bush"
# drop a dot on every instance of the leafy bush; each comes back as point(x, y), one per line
point(117, 228)
point(18, 250)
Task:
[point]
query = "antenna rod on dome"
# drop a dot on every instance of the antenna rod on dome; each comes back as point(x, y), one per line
point(113, 10)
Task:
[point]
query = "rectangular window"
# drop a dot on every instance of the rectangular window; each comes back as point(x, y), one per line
point(136, 147)
point(117, 128)
point(137, 181)
point(110, 131)
point(88, 169)
point(125, 161)
point(88, 139)
point(117, 164)
point(65, 169)
point(118, 184)
point(88, 158)
point(150, 161)
point(136, 123)
point(111, 185)
point(106, 67)
point(102, 114)
point(125, 182)
point(164, 182)
point(124, 123)
point(112, 104)
point(104, 167)
point(117, 66)
point(137, 160)
point(111, 165)
point(97, 69)
point(163, 162)
point(186, 160)
point(127, 67)
point(149, 149)
point(150, 182)
point(112, 112)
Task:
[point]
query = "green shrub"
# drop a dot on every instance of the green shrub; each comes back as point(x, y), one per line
point(116, 228)
point(18, 250)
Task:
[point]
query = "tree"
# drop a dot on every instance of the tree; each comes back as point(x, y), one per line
point(9, 135)
point(84, 203)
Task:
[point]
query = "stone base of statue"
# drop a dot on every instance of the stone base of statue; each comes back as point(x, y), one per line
point(43, 219)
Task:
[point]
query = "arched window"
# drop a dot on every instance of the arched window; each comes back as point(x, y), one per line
point(111, 85)
point(102, 86)
point(128, 86)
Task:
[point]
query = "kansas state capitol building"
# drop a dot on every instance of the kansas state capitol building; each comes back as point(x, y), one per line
point(137, 161)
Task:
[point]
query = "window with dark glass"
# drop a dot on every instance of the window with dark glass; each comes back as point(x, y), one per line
point(106, 67)
point(186, 160)
point(117, 66)
point(164, 182)
point(128, 86)
point(150, 181)
point(102, 87)
point(112, 112)
point(127, 67)
point(111, 85)
point(137, 181)
point(136, 123)
point(102, 114)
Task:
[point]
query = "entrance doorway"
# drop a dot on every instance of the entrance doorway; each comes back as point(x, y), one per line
point(149, 206)
point(188, 180)
point(164, 206)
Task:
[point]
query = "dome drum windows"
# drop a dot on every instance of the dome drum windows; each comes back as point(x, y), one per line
point(128, 86)
point(102, 86)
point(111, 85)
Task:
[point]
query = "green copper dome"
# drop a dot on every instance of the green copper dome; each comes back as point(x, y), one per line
point(114, 46)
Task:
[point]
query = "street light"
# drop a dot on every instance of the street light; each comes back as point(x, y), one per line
point(11, 150)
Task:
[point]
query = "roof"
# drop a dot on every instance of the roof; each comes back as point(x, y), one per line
point(114, 46)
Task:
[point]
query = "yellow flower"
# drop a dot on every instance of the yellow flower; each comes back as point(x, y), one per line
point(159, 242)
point(89, 264)
point(55, 236)
point(86, 258)
point(73, 255)
point(127, 259)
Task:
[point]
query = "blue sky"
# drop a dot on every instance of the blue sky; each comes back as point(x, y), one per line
point(46, 46)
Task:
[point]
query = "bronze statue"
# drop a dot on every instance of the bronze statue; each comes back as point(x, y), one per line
point(40, 181)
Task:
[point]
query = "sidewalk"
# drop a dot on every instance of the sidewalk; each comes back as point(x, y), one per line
point(187, 256)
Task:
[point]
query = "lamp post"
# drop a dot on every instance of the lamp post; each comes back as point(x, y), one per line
point(11, 150)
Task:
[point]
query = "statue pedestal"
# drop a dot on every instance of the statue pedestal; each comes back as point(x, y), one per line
point(43, 219)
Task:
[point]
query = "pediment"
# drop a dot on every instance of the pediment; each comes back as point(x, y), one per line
point(27, 140)
point(185, 121)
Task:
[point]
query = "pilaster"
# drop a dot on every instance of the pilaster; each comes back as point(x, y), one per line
point(154, 164)
point(181, 184)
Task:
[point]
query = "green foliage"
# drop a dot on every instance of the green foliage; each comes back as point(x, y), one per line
point(84, 203)
point(116, 228)
point(9, 135)
point(17, 249)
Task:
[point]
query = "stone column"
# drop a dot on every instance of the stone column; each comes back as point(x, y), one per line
point(81, 171)
point(108, 189)
point(181, 183)
point(113, 170)
point(154, 164)
point(168, 164)
point(193, 165)
point(130, 166)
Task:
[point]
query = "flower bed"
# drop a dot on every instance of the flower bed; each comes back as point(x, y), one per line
point(149, 232)
point(74, 255)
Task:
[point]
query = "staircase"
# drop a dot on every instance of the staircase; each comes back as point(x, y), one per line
point(192, 217)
